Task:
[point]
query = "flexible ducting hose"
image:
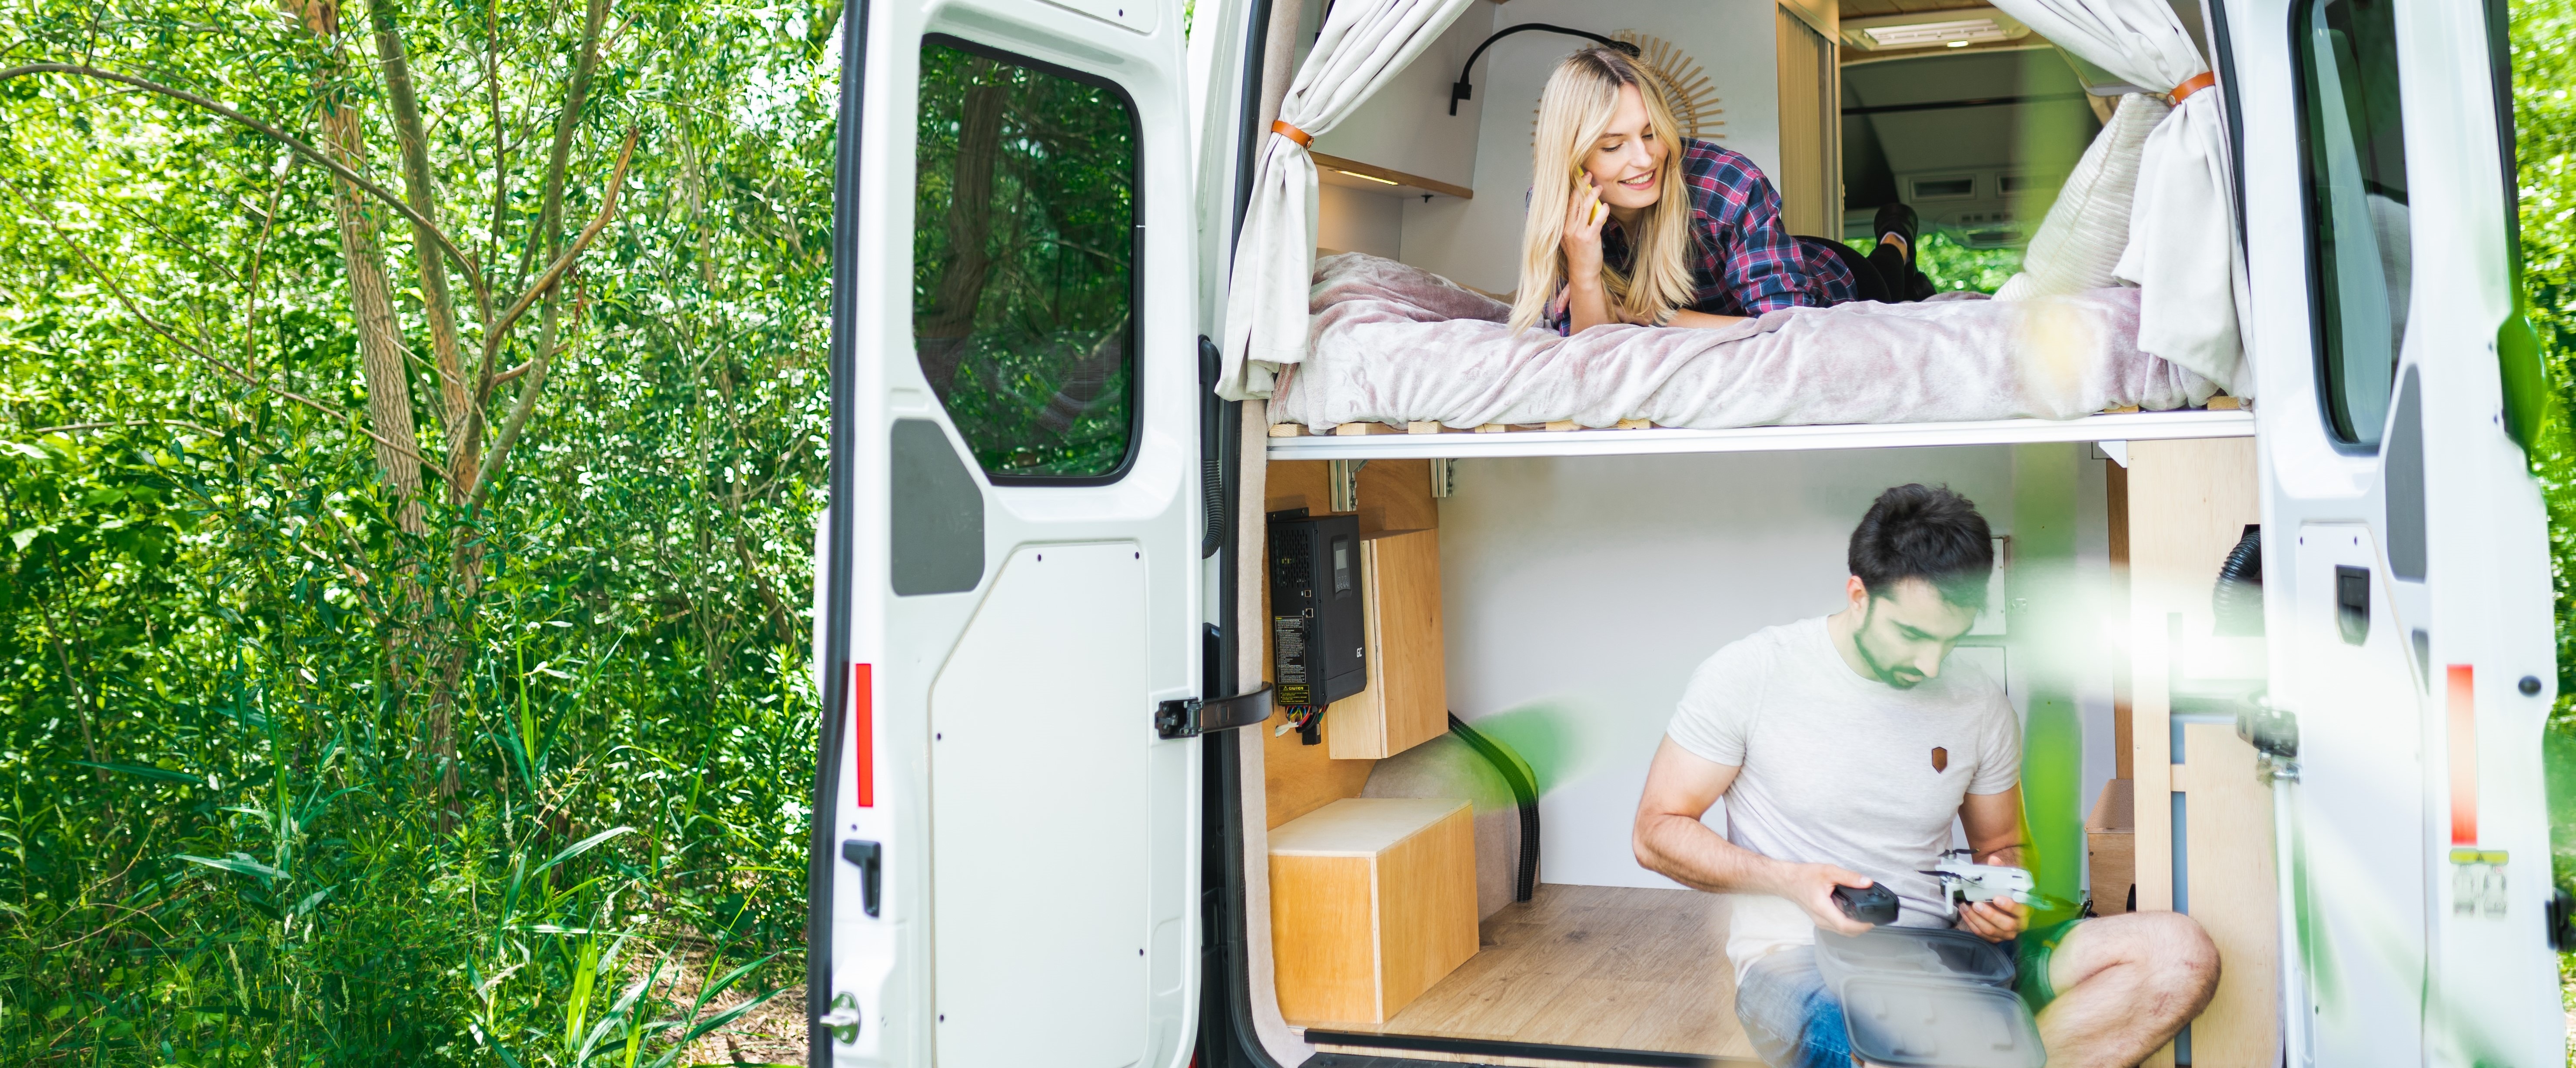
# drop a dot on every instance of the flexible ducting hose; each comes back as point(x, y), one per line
point(1524, 792)
point(2238, 599)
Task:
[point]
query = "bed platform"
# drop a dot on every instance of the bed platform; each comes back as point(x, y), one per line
point(1379, 441)
point(1638, 974)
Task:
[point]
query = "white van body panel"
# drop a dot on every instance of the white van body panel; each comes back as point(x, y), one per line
point(2384, 965)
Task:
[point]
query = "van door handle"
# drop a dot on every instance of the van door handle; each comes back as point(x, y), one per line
point(2352, 603)
point(868, 856)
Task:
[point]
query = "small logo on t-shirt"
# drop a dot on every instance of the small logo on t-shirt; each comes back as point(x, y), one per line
point(1940, 759)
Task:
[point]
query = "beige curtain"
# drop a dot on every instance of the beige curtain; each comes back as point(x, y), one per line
point(1364, 44)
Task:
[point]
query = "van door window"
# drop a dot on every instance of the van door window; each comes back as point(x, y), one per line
point(2355, 149)
point(1024, 247)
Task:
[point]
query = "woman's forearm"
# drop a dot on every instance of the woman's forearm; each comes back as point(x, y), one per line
point(1703, 320)
point(1586, 306)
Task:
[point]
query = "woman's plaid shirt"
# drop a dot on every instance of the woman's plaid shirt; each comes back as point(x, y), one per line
point(1743, 259)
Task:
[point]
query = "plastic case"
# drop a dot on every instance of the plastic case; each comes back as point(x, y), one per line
point(1917, 997)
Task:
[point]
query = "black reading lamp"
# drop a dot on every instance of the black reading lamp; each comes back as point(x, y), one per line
point(1462, 89)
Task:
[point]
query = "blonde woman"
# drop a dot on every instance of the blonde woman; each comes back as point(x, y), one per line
point(1660, 230)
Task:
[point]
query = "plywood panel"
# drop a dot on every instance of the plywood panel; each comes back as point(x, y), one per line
point(1298, 778)
point(1372, 901)
point(1810, 177)
point(2115, 484)
point(2111, 847)
point(1426, 908)
point(1394, 494)
point(2228, 847)
point(1407, 699)
point(1313, 900)
point(2187, 505)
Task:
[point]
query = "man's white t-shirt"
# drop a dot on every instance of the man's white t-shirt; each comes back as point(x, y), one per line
point(1841, 769)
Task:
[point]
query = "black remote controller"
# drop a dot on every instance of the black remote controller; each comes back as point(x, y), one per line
point(1868, 904)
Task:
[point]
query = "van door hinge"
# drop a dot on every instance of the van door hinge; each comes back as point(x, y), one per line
point(1193, 717)
point(843, 1020)
point(2273, 731)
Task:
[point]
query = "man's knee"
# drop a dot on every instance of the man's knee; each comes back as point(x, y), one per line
point(2175, 956)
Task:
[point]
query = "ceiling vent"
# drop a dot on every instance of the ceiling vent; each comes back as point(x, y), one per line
point(1933, 29)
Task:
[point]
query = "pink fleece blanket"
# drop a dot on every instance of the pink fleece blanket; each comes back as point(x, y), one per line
point(1397, 344)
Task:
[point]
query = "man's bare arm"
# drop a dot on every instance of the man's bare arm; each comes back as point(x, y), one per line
point(1670, 839)
point(1994, 826)
point(1995, 836)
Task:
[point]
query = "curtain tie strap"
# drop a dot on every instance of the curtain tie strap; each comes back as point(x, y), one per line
point(1303, 139)
point(2193, 84)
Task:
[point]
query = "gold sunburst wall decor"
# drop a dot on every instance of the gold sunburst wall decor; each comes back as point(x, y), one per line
point(1686, 87)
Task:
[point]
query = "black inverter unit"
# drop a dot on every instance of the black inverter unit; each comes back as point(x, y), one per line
point(1317, 653)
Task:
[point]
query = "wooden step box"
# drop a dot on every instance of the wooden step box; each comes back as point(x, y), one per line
point(1372, 900)
point(1407, 699)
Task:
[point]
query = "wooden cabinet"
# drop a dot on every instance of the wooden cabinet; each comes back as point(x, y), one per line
point(1407, 699)
point(2111, 847)
point(1372, 900)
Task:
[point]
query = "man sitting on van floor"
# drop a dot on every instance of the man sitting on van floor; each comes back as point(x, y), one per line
point(1843, 749)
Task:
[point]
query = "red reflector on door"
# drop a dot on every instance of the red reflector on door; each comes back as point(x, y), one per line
point(863, 745)
point(2464, 756)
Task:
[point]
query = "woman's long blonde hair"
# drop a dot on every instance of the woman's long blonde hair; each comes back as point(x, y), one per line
point(1576, 107)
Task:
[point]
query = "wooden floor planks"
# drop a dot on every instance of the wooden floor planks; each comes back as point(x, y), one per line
point(1600, 966)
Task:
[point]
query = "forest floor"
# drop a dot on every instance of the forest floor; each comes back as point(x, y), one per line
point(772, 1034)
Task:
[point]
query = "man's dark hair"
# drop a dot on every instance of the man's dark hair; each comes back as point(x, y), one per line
point(1925, 532)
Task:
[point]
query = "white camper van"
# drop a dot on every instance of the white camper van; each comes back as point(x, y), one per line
point(1066, 813)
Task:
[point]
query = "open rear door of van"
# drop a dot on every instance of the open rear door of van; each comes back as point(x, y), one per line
point(2406, 552)
point(1003, 841)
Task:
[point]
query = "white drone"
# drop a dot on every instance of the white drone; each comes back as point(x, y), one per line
point(1965, 882)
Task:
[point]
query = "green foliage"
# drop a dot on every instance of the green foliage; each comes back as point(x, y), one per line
point(227, 835)
point(2544, 67)
point(1024, 238)
point(1951, 265)
point(2545, 158)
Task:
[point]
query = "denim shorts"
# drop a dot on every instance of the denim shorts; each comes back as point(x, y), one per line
point(1795, 1022)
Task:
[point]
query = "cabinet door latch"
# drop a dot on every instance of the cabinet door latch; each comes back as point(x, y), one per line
point(1193, 717)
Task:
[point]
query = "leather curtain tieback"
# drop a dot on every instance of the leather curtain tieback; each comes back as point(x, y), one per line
point(2193, 84)
point(1304, 139)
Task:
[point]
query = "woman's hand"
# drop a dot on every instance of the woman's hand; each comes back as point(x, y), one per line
point(1584, 216)
point(1587, 304)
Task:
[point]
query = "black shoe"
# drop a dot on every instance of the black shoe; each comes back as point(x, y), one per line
point(1899, 219)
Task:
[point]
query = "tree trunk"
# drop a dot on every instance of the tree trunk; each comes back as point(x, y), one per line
point(941, 332)
point(371, 307)
point(438, 301)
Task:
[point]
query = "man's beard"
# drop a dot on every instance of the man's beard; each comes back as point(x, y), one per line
point(1900, 678)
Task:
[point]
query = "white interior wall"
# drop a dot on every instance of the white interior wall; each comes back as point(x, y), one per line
point(1357, 220)
point(1477, 242)
point(1407, 125)
point(1583, 591)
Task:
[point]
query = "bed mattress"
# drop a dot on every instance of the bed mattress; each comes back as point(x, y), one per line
point(1395, 344)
